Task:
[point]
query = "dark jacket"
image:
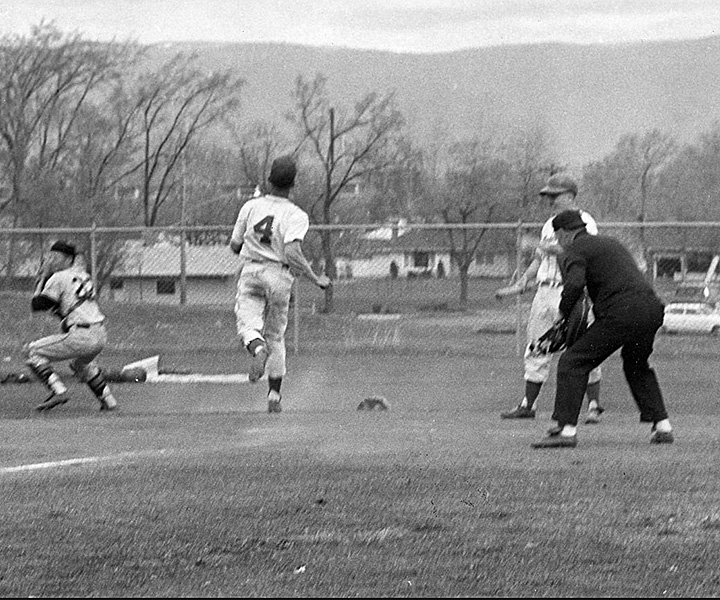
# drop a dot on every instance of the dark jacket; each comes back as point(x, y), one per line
point(609, 271)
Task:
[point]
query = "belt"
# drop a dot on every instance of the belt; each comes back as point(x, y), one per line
point(553, 284)
point(270, 262)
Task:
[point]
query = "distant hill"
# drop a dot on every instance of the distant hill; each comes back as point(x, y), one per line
point(587, 95)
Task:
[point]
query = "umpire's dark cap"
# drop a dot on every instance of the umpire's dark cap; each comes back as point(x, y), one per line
point(559, 184)
point(282, 172)
point(568, 219)
point(64, 248)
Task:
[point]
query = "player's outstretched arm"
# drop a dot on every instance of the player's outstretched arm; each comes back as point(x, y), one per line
point(298, 262)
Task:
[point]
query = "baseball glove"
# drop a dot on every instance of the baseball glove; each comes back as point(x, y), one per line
point(565, 331)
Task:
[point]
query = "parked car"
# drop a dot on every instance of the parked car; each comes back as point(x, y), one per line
point(691, 317)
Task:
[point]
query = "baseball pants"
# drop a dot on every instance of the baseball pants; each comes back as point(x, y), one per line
point(262, 304)
point(544, 312)
point(631, 327)
point(80, 345)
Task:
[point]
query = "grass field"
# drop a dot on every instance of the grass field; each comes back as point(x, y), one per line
point(195, 491)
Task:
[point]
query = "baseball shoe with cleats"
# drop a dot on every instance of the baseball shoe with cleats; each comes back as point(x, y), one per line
point(257, 366)
point(108, 402)
point(593, 415)
point(53, 401)
point(556, 430)
point(274, 399)
point(557, 441)
point(661, 437)
point(519, 412)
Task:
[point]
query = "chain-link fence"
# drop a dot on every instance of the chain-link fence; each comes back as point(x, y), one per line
point(395, 286)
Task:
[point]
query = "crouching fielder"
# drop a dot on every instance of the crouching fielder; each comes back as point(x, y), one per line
point(66, 289)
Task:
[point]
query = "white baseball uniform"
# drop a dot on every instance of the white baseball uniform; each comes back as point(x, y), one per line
point(70, 295)
point(544, 310)
point(264, 226)
point(84, 335)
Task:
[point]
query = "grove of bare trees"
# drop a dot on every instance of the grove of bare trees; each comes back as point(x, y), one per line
point(97, 134)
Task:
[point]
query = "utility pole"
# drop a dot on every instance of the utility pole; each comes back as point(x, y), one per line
point(183, 258)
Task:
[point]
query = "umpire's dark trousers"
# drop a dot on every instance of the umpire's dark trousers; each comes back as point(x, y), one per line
point(631, 324)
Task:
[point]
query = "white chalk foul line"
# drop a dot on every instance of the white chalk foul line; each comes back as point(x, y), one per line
point(73, 461)
point(197, 378)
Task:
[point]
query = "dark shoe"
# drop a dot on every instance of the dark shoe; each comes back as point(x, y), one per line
point(519, 412)
point(274, 405)
point(662, 437)
point(52, 402)
point(257, 366)
point(555, 430)
point(557, 441)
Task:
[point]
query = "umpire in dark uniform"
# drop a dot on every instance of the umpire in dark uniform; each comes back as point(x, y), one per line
point(628, 314)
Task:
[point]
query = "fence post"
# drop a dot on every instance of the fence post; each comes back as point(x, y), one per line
point(296, 316)
point(93, 255)
point(183, 267)
point(519, 268)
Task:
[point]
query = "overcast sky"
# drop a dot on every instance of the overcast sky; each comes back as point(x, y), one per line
point(394, 25)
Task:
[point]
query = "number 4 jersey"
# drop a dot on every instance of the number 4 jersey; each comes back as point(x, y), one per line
point(265, 225)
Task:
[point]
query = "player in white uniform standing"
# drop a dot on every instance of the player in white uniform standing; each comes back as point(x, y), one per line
point(544, 311)
point(268, 236)
point(66, 289)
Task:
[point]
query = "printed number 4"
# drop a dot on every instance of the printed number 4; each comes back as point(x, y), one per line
point(264, 229)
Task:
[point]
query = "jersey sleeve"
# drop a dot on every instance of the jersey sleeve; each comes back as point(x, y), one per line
point(297, 228)
point(590, 224)
point(53, 288)
point(240, 225)
point(49, 297)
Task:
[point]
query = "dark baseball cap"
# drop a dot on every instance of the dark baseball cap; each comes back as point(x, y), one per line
point(559, 184)
point(568, 219)
point(283, 171)
point(64, 248)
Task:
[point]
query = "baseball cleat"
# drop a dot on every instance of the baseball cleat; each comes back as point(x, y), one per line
point(274, 402)
point(519, 412)
point(557, 441)
point(257, 366)
point(593, 415)
point(556, 430)
point(52, 402)
point(662, 437)
point(108, 403)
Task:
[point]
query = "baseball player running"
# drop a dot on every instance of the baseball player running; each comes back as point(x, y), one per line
point(66, 289)
point(268, 236)
point(544, 311)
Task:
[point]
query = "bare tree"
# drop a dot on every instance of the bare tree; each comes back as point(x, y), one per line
point(624, 183)
point(46, 81)
point(621, 185)
point(689, 187)
point(396, 190)
point(474, 189)
point(258, 144)
point(347, 145)
point(529, 152)
point(175, 103)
